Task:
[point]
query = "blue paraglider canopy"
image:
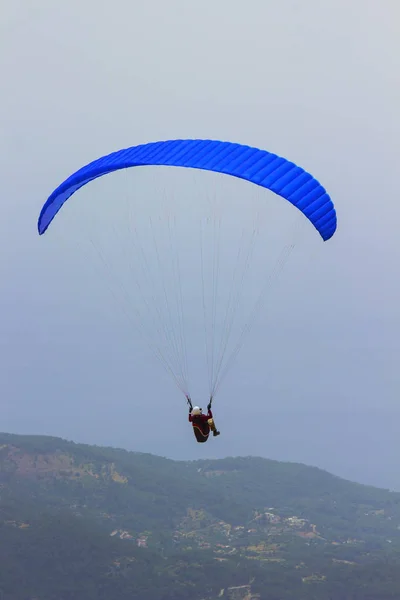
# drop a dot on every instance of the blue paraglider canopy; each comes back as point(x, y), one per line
point(256, 166)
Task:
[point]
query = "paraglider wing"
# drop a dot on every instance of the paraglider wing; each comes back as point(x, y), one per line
point(256, 166)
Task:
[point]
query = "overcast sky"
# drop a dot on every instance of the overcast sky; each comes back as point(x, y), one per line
point(317, 82)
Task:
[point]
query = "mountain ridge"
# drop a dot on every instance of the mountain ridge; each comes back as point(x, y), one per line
point(153, 522)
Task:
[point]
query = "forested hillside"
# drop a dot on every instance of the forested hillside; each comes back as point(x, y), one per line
point(83, 522)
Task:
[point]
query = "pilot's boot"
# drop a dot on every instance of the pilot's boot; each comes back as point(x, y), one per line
point(213, 428)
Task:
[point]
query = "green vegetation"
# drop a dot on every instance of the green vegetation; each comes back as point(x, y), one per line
point(85, 522)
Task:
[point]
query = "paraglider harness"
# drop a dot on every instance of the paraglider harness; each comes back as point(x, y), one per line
point(202, 424)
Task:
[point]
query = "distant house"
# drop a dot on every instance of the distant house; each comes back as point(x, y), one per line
point(142, 542)
point(123, 535)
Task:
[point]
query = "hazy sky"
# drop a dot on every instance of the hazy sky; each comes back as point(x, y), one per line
point(317, 82)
